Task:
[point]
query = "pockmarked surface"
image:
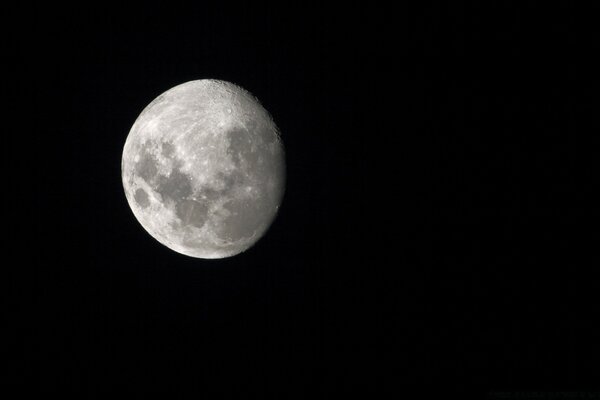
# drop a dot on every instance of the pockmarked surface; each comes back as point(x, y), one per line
point(203, 169)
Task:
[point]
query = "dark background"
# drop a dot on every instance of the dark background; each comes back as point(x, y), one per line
point(437, 230)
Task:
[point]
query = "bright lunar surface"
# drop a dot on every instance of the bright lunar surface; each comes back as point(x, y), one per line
point(204, 169)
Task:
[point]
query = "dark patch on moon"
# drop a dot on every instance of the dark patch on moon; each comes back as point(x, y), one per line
point(175, 186)
point(251, 158)
point(240, 145)
point(192, 212)
point(167, 149)
point(147, 167)
point(209, 194)
point(235, 178)
point(272, 185)
point(245, 218)
point(141, 197)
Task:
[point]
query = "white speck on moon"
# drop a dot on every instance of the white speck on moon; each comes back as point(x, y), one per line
point(203, 169)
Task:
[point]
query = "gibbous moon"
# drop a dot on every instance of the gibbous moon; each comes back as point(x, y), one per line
point(203, 169)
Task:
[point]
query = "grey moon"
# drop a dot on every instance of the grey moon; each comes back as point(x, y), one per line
point(203, 169)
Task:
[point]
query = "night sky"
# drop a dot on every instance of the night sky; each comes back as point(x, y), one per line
point(437, 230)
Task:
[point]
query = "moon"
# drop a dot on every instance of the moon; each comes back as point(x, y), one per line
point(203, 169)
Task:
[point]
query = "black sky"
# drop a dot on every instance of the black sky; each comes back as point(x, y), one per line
point(436, 231)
